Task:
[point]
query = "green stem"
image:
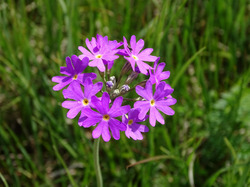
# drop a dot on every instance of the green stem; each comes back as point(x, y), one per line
point(96, 161)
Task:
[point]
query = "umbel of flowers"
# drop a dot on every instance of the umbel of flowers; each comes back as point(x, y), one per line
point(110, 105)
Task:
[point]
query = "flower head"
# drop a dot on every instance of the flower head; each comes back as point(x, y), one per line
point(73, 72)
point(81, 100)
point(132, 121)
point(158, 101)
point(157, 74)
point(102, 52)
point(105, 117)
point(138, 57)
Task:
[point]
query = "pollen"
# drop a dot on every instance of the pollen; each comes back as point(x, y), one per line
point(152, 102)
point(135, 57)
point(75, 77)
point(85, 102)
point(98, 56)
point(105, 117)
point(130, 122)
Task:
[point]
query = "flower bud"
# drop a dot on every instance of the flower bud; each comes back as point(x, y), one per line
point(131, 77)
point(127, 67)
point(124, 88)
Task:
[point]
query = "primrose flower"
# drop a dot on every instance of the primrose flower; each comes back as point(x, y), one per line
point(137, 57)
point(134, 129)
point(102, 52)
point(105, 117)
point(81, 100)
point(158, 101)
point(157, 74)
point(73, 72)
point(107, 114)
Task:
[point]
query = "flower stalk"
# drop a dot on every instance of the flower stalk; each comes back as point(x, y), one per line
point(96, 163)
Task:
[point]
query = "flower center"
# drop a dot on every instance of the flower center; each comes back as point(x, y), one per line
point(130, 122)
point(98, 56)
point(85, 102)
point(152, 102)
point(105, 117)
point(135, 57)
point(75, 77)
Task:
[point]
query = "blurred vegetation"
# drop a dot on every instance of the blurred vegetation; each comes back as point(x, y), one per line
point(205, 44)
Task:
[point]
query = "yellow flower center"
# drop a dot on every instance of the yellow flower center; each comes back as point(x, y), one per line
point(130, 122)
point(98, 56)
point(75, 77)
point(85, 102)
point(152, 102)
point(105, 117)
point(135, 57)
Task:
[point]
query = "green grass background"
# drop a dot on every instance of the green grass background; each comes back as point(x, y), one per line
point(205, 44)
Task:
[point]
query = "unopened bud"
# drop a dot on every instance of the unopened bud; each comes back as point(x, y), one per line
point(110, 84)
point(131, 77)
point(124, 88)
point(115, 93)
point(126, 68)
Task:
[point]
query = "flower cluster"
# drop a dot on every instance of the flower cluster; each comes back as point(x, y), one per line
point(100, 104)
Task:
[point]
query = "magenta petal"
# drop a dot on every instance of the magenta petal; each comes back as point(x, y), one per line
point(69, 65)
point(144, 106)
point(142, 92)
point(116, 105)
point(139, 46)
point(74, 91)
point(142, 69)
point(166, 102)
point(148, 89)
point(105, 102)
point(138, 135)
point(98, 130)
point(120, 111)
point(97, 104)
point(119, 125)
point(74, 111)
point(97, 63)
point(160, 68)
point(86, 53)
point(58, 79)
point(159, 93)
point(164, 75)
point(62, 84)
point(114, 130)
point(70, 104)
point(90, 90)
point(143, 128)
point(90, 47)
point(131, 61)
point(133, 42)
point(165, 109)
point(156, 62)
point(145, 52)
point(152, 117)
point(90, 122)
point(159, 117)
point(105, 133)
point(90, 113)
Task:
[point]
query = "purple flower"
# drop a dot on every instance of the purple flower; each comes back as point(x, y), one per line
point(73, 72)
point(134, 129)
point(102, 52)
point(158, 101)
point(81, 100)
point(106, 117)
point(137, 57)
point(157, 75)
